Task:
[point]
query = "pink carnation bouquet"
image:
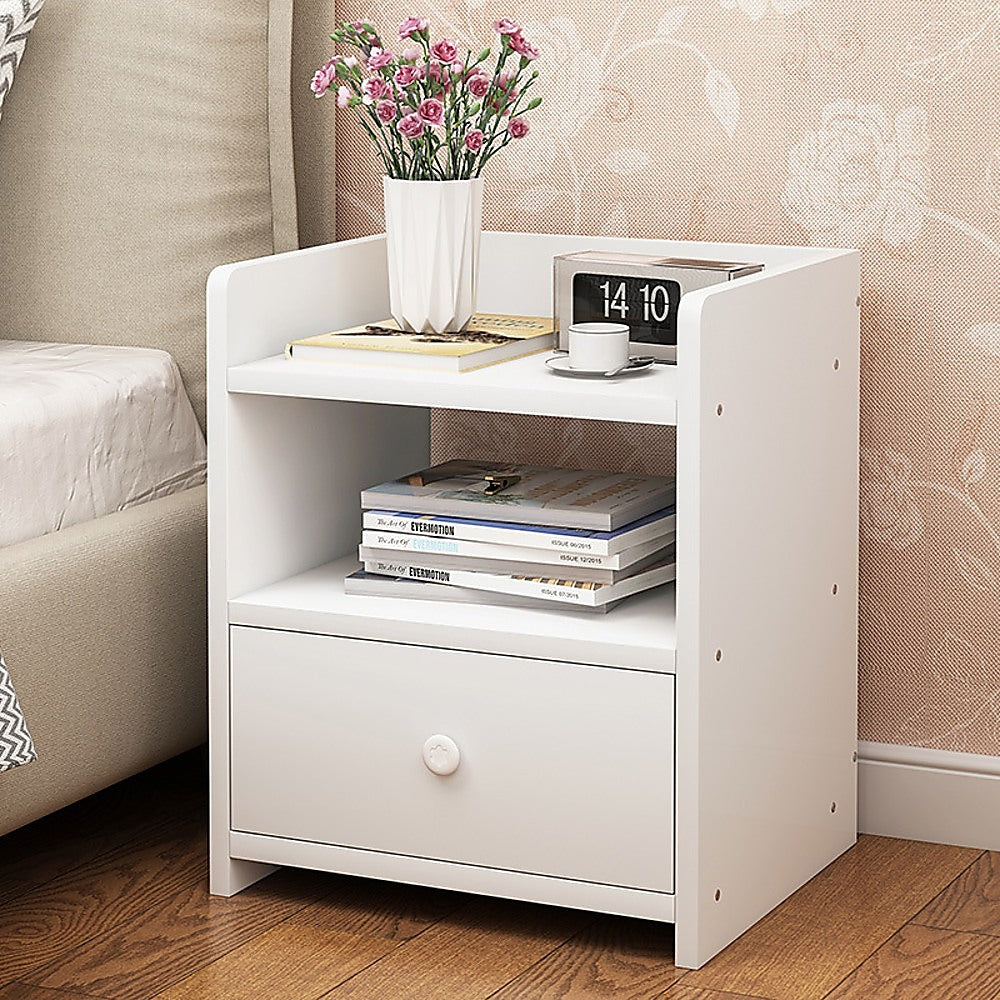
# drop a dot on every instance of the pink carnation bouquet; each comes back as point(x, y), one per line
point(431, 113)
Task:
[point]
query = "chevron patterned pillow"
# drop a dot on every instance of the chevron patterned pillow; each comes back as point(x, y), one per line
point(16, 747)
point(17, 18)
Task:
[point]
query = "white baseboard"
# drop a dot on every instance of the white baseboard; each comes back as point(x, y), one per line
point(935, 795)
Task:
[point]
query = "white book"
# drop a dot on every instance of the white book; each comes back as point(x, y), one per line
point(566, 592)
point(477, 564)
point(402, 588)
point(659, 525)
point(488, 338)
point(398, 541)
point(524, 494)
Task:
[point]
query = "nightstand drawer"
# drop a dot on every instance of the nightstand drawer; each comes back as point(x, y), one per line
point(535, 766)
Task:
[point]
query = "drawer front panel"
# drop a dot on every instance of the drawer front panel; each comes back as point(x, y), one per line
point(562, 769)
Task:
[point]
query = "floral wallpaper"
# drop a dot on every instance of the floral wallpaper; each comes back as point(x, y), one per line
point(849, 123)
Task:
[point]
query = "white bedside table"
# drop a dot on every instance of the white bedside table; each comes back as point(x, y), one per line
point(689, 757)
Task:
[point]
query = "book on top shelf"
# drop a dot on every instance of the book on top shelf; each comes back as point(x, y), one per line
point(561, 591)
point(488, 339)
point(658, 525)
point(525, 494)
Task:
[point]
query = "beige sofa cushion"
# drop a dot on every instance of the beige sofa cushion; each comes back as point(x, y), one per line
point(139, 173)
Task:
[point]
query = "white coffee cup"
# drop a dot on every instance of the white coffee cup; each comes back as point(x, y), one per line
point(598, 347)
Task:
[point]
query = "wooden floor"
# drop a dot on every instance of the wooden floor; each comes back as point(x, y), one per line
point(108, 899)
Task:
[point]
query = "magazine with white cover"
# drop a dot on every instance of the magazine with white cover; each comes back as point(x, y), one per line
point(401, 587)
point(396, 541)
point(525, 494)
point(487, 339)
point(562, 591)
point(478, 564)
point(658, 525)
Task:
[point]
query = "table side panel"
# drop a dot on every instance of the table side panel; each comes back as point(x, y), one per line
point(253, 308)
point(767, 653)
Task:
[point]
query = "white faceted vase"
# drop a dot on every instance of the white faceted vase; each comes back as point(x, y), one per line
point(432, 235)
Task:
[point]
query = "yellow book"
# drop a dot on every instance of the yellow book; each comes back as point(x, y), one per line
point(488, 339)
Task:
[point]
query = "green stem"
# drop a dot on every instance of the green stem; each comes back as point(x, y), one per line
point(390, 158)
point(383, 154)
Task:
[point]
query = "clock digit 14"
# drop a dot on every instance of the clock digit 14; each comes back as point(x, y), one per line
point(618, 302)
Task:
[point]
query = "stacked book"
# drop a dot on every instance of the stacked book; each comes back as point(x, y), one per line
point(515, 534)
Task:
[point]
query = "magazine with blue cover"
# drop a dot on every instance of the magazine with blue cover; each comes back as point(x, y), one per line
point(658, 525)
point(525, 494)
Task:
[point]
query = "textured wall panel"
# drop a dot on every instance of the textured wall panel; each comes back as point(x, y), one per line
point(870, 125)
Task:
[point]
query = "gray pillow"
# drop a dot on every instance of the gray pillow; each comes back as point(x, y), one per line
point(17, 18)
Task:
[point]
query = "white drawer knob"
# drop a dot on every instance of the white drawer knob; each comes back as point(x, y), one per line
point(441, 754)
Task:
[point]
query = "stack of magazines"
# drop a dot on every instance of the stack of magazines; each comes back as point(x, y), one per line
point(516, 535)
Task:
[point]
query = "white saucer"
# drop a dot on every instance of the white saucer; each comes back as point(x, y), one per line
point(560, 366)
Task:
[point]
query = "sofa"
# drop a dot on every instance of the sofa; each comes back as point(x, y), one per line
point(141, 145)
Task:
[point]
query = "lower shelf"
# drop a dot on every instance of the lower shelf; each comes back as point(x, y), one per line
point(447, 875)
point(639, 634)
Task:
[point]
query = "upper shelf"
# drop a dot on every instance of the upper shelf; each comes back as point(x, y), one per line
point(255, 307)
point(524, 385)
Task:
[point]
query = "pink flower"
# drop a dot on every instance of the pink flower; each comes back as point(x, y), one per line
point(386, 111)
point(505, 26)
point(413, 24)
point(523, 47)
point(445, 50)
point(431, 111)
point(411, 53)
point(378, 58)
point(406, 75)
point(350, 61)
point(410, 126)
point(479, 85)
point(518, 128)
point(474, 140)
point(343, 97)
point(375, 87)
point(322, 79)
